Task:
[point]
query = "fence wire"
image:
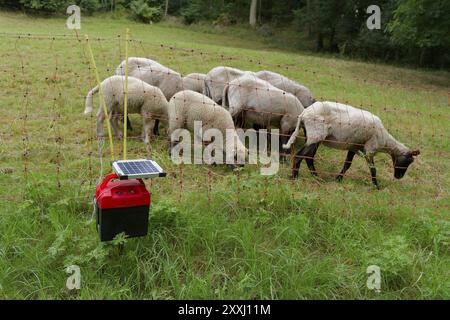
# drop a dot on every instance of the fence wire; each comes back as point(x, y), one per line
point(45, 136)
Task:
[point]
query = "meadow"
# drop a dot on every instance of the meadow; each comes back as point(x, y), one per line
point(214, 233)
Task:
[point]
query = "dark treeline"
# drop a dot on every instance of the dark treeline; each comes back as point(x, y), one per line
point(412, 31)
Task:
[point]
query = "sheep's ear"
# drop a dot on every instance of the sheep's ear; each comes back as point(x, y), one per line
point(415, 153)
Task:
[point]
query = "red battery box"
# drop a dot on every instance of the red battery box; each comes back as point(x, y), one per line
point(121, 206)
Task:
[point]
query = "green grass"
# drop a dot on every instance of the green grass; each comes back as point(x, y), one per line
point(214, 233)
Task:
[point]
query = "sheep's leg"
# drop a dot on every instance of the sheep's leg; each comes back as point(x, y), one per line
point(156, 128)
point(283, 139)
point(283, 133)
point(129, 127)
point(170, 143)
point(310, 160)
point(308, 151)
point(115, 126)
point(347, 165)
point(100, 120)
point(373, 172)
point(147, 127)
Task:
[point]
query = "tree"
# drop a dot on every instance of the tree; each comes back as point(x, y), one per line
point(166, 8)
point(253, 11)
point(422, 26)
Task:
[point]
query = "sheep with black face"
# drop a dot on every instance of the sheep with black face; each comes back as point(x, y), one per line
point(344, 127)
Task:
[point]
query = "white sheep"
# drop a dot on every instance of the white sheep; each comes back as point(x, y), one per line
point(344, 127)
point(217, 79)
point(187, 107)
point(281, 82)
point(144, 99)
point(256, 102)
point(194, 82)
point(155, 74)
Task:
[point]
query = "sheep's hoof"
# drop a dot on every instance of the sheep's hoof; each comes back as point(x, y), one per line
point(293, 177)
point(339, 178)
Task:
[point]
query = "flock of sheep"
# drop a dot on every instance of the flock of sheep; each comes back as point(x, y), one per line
point(226, 98)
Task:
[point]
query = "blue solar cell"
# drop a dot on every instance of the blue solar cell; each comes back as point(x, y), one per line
point(137, 168)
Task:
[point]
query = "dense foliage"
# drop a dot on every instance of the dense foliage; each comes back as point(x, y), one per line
point(142, 11)
point(412, 31)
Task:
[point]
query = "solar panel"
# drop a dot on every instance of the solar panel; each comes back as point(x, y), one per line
point(141, 168)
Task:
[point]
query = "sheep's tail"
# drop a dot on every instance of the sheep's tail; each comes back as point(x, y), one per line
point(89, 100)
point(225, 100)
point(295, 134)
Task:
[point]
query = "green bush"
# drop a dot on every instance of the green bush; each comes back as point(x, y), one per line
point(193, 12)
point(215, 11)
point(145, 13)
point(88, 6)
point(45, 5)
point(10, 4)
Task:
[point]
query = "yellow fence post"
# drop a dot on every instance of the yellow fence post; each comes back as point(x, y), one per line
point(125, 103)
point(111, 146)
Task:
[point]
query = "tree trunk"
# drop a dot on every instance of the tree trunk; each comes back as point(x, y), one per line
point(167, 8)
point(253, 9)
point(319, 43)
point(309, 14)
point(333, 45)
point(260, 12)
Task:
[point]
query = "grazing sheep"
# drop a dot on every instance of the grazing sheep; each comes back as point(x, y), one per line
point(143, 98)
point(194, 82)
point(281, 82)
point(217, 79)
point(257, 102)
point(187, 107)
point(344, 127)
point(155, 74)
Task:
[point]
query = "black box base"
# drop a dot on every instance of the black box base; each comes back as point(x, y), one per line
point(133, 221)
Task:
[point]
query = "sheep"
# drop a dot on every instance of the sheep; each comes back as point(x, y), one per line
point(194, 82)
point(281, 82)
point(344, 127)
point(255, 101)
point(155, 74)
point(187, 107)
point(217, 79)
point(147, 100)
